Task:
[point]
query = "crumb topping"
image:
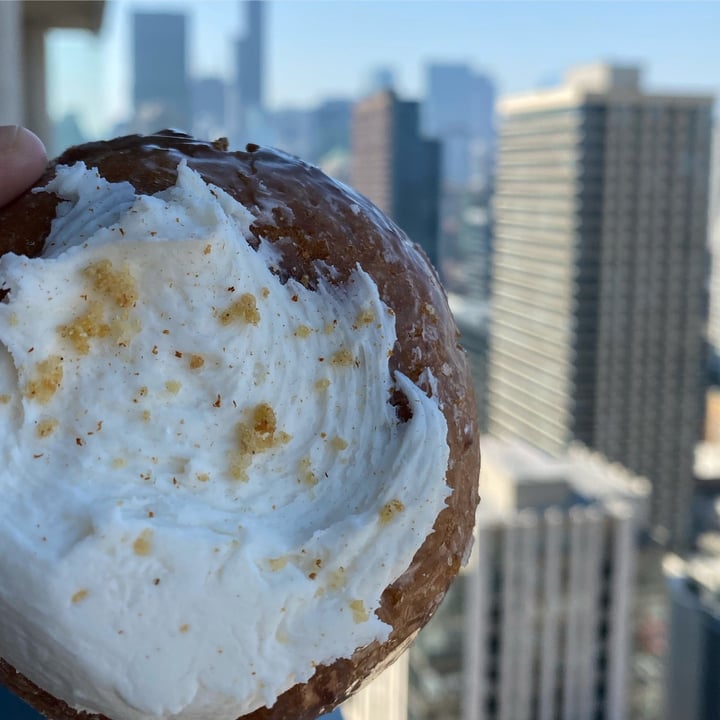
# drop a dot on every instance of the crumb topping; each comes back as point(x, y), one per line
point(143, 543)
point(46, 427)
point(173, 386)
point(359, 613)
point(303, 331)
point(49, 375)
point(196, 361)
point(338, 443)
point(117, 285)
point(365, 317)
point(90, 324)
point(79, 596)
point(306, 475)
point(256, 434)
point(342, 358)
point(389, 510)
point(244, 310)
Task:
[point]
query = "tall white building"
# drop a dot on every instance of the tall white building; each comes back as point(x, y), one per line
point(599, 277)
point(550, 586)
point(384, 698)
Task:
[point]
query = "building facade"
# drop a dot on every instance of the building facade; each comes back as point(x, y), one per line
point(385, 697)
point(693, 669)
point(599, 277)
point(550, 586)
point(459, 110)
point(247, 93)
point(396, 167)
point(161, 89)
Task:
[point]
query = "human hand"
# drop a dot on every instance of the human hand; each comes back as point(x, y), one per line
point(22, 161)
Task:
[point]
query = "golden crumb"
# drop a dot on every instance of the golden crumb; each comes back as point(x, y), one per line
point(173, 386)
point(81, 329)
point(117, 285)
point(203, 477)
point(365, 317)
point(265, 292)
point(244, 309)
point(360, 614)
point(79, 596)
point(337, 443)
point(264, 420)
point(118, 463)
point(256, 434)
point(5, 399)
point(306, 475)
point(303, 331)
point(342, 357)
point(145, 415)
point(207, 249)
point(389, 510)
point(196, 362)
point(322, 384)
point(184, 628)
point(336, 578)
point(143, 543)
point(330, 327)
point(276, 564)
point(46, 427)
point(47, 381)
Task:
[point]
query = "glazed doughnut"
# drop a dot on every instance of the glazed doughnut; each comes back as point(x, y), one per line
point(239, 445)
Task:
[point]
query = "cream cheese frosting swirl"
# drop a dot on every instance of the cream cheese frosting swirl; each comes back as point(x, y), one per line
point(205, 486)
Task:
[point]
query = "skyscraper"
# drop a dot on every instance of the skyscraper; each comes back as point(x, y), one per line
point(161, 93)
point(599, 275)
point(248, 95)
point(550, 586)
point(395, 167)
point(692, 689)
point(459, 110)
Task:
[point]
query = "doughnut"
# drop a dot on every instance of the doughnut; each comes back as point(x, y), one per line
point(239, 443)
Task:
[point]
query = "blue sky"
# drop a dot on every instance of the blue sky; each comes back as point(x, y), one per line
point(318, 49)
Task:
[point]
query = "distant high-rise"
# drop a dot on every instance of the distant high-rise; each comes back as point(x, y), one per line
point(599, 277)
point(385, 697)
point(714, 217)
point(693, 673)
point(161, 93)
point(397, 168)
point(248, 97)
point(458, 109)
point(550, 586)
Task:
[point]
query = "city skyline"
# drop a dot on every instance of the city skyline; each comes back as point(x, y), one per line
point(519, 44)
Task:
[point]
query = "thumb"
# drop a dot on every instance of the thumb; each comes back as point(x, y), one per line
point(22, 161)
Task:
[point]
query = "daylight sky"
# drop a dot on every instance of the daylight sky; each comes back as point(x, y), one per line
point(328, 48)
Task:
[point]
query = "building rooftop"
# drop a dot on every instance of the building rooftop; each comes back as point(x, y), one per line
point(584, 83)
point(517, 476)
point(701, 572)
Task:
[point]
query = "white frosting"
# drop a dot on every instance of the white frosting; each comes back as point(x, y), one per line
point(151, 565)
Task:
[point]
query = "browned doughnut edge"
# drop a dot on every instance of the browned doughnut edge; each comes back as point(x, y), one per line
point(321, 236)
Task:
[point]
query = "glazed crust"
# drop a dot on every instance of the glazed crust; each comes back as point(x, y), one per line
point(321, 229)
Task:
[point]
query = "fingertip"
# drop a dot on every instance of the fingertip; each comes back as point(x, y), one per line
point(22, 161)
point(31, 152)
